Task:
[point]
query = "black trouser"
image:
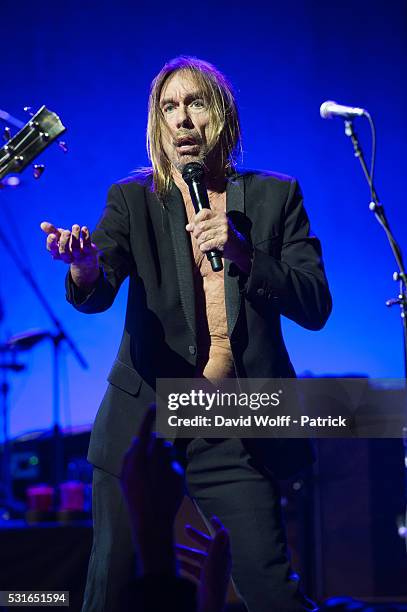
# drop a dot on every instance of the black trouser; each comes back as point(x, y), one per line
point(223, 479)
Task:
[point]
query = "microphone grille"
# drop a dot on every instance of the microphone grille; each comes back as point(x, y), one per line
point(193, 171)
point(325, 109)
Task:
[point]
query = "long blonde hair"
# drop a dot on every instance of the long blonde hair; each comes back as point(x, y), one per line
point(224, 125)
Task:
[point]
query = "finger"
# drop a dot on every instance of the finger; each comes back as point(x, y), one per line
point(211, 245)
point(190, 553)
point(208, 235)
point(85, 237)
point(177, 468)
point(49, 228)
point(87, 244)
point(75, 240)
point(213, 227)
point(204, 226)
point(219, 555)
point(190, 569)
point(221, 539)
point(52, 246)
point(198, 536)
point(64, 249)
point(203, 215)
point(190, 227)
point(216, 523)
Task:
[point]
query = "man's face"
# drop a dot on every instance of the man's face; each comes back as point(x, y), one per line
point(186, 118)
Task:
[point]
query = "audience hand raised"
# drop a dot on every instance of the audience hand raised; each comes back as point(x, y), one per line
point(210, 567)
point(153, 485)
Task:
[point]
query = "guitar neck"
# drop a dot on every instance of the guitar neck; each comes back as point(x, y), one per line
point(38, 133)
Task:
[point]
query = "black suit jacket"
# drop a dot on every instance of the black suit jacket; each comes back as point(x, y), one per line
point(142, 238)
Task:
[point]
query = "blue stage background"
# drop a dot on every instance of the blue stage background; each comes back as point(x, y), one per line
point(92, 62)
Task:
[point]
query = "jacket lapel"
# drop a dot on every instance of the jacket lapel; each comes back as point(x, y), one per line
point(182, 250)
point(234, 203)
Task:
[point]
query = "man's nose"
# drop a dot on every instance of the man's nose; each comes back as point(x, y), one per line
point(183, 118)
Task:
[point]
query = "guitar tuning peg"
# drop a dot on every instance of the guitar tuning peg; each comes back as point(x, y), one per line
point(28, 109)
point(38, 169)
point(7, 134)
point(63, 146)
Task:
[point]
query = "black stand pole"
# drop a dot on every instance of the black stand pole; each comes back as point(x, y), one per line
point(56, 429)
point(7, 502)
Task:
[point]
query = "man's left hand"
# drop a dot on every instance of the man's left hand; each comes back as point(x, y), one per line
point(214, 230)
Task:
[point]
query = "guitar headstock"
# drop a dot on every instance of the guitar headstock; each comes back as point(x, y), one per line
point(38, 133)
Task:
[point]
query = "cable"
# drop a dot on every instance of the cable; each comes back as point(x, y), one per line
point(373, 155)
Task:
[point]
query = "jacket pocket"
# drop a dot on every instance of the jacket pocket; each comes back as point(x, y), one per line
point(124, 377)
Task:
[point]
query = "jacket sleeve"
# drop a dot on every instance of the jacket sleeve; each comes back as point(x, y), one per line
point(111, 236)
point(295, 282)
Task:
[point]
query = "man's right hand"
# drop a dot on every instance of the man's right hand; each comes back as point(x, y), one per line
point(75, 248)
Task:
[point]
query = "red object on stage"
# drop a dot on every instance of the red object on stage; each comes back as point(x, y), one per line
point(40, 498)
point(72, 495)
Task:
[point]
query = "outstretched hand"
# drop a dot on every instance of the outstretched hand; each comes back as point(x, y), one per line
point(74, 247)
point(70, 246)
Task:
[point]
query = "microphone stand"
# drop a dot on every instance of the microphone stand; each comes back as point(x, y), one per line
point(377, 208)
point(61, 336)
point(399, 276)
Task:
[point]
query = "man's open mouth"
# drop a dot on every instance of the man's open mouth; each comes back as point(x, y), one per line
point(187, 144)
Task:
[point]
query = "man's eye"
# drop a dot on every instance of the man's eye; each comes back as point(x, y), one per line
point(198, 104)
point(168, 108)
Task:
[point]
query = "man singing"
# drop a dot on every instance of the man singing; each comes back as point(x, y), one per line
point(183, 321)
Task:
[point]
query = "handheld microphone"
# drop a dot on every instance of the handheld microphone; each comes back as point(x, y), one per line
point(331, 109)
point(194, 176)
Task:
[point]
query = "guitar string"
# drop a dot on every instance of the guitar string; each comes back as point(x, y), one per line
point(23, 151)
point(13, 151)
point(31, 130)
